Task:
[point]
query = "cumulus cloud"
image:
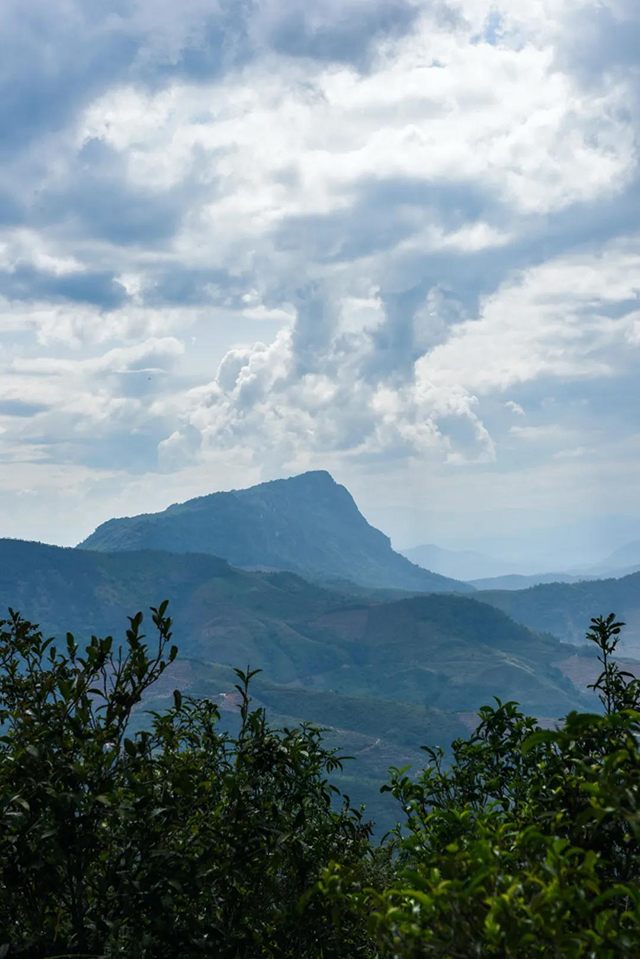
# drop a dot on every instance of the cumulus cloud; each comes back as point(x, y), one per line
point(368, 234)
point(291, 396)
point(537, 325)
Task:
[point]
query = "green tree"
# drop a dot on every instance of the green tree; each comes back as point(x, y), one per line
point(183, 840)
point(177, 840)
point(526, 846)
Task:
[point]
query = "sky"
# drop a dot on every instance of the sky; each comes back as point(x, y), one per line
point(394, 239)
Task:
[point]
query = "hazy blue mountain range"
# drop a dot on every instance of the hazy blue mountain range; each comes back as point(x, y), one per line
point(622, 561)
point(628, 555)
point(487, 572)
point(518, 581)
point(565, 608)
point(524, 541)
point(482, 571)
point(307, 524)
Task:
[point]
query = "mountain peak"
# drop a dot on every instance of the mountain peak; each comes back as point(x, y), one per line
point(311, 476)
point(310, 479)
point(307, 524)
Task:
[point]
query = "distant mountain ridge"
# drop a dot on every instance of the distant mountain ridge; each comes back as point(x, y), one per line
point(485, 572)
point(621, 562)
point(517, 581)
point(459, 564)
point(307, 524)
point(565, 609)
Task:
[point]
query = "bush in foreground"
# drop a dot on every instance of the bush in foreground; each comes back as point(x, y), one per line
point(527, 846)
point(184, 841)
point(178, 841)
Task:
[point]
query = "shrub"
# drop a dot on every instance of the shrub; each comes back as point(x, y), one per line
point(527, 846)
point(182, 840)
point(177, 841)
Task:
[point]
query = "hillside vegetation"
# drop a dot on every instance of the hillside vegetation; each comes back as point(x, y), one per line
point(307, 524)
point(446, 651)
point(386, 677)
point(561, 608)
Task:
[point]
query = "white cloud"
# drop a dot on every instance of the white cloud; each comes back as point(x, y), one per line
point(79, 325)
point(536, 326)
point(550, 320)
point(426, 207)
point(23, 247)
point(577, 452)
point(146, 357)
point(261, 400)
point(438, 108)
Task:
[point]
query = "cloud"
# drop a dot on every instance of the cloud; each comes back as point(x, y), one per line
point(322, 394)
point(300, 393)
point(578, 452)
point(332, 30)
point(368, 234)
point(141, 358)
point(96, 411)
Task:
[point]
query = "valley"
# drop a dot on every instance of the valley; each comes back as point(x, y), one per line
point(384, 655)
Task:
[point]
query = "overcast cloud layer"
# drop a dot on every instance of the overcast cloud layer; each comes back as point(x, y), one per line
point(397, 239)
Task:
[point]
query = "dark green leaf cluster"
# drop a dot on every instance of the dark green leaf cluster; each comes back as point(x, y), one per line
point(527, 846)
point(178, 840)
point(184, 840)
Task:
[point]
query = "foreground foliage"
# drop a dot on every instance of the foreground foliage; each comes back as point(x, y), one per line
point(185, 841)
point(527, 846)
point(177, 841)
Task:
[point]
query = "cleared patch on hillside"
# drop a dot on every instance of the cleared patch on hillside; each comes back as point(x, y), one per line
point(584, 670)
point(349, 624)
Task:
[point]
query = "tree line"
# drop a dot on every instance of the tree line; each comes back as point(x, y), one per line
point(183, 840)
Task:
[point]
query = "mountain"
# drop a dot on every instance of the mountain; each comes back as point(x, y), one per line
point(619, 564)
point(622, 561)
point(564, 609)
point(554, 540)
point(628, 555)
point(517, 581)
point(459, 564)
point(383, 677)
point(449, 651)
point(486, 572)
point(307, 524)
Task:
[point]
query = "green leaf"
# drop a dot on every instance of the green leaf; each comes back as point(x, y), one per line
point(538, 738)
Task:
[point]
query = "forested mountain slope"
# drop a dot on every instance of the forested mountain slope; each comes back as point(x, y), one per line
point(307, 524)
point(384, 676)
point(564, 608)
point(449, 651)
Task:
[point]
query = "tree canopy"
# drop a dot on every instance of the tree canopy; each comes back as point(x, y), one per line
point(181, 839)
point(177, 840)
